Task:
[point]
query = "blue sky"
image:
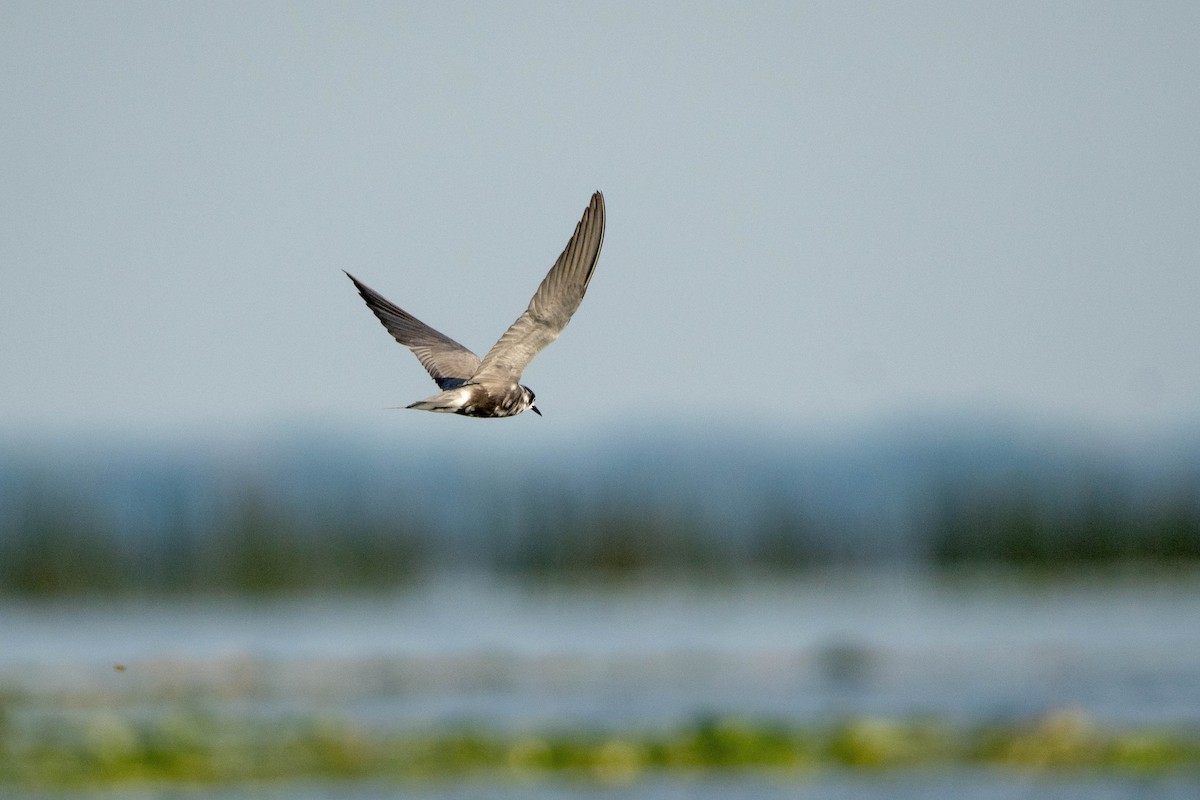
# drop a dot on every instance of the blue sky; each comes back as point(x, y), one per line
point(818, 214)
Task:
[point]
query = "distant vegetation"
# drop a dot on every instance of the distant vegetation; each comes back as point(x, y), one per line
point(1020, 528)
point(58, 543)
point(313, 521)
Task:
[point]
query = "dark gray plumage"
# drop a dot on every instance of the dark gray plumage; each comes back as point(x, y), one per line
point(491, 387)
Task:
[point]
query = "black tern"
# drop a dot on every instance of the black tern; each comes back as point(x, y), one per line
point(491, 387)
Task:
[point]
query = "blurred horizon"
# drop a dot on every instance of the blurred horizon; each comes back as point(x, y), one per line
point(313, 512)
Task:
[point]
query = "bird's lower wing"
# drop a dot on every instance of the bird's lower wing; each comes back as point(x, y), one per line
point(448, 362)
point(556, 299)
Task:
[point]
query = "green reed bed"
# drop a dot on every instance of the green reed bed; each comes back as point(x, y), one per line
point(107, 748)
point(136, 526)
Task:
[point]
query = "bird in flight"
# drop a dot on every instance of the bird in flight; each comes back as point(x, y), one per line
point(491, 387)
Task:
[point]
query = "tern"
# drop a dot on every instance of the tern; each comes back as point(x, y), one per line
point(491, 387)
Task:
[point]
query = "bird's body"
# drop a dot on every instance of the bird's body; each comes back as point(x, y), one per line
point(490, 387)
point(479, 400)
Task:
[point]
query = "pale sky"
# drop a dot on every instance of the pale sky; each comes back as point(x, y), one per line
point(818, 214)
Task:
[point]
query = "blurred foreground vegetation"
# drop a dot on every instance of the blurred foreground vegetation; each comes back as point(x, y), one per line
point(319, 520)
point(193, 748)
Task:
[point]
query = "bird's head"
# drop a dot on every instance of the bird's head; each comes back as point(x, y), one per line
point(530, 397)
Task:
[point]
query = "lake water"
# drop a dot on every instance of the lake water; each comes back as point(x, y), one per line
point(466, 649)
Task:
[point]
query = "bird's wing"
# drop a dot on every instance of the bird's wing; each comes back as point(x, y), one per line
point(555, 300)
point(447, 361)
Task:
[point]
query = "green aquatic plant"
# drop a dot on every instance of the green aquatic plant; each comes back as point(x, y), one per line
point(107, 747)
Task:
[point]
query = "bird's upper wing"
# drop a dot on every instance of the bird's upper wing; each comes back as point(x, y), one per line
point(446, 360)
point(555, 300)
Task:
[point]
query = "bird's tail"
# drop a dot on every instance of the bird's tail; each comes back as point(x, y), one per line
point(448, 402)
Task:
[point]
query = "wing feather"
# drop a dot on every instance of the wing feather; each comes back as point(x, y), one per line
point(556, 299)
point(448, 362)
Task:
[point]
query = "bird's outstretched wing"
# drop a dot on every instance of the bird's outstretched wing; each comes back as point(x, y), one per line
point(447, 361)
point(555, 300)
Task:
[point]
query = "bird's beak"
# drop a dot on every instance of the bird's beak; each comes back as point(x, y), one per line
point(534, 410)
